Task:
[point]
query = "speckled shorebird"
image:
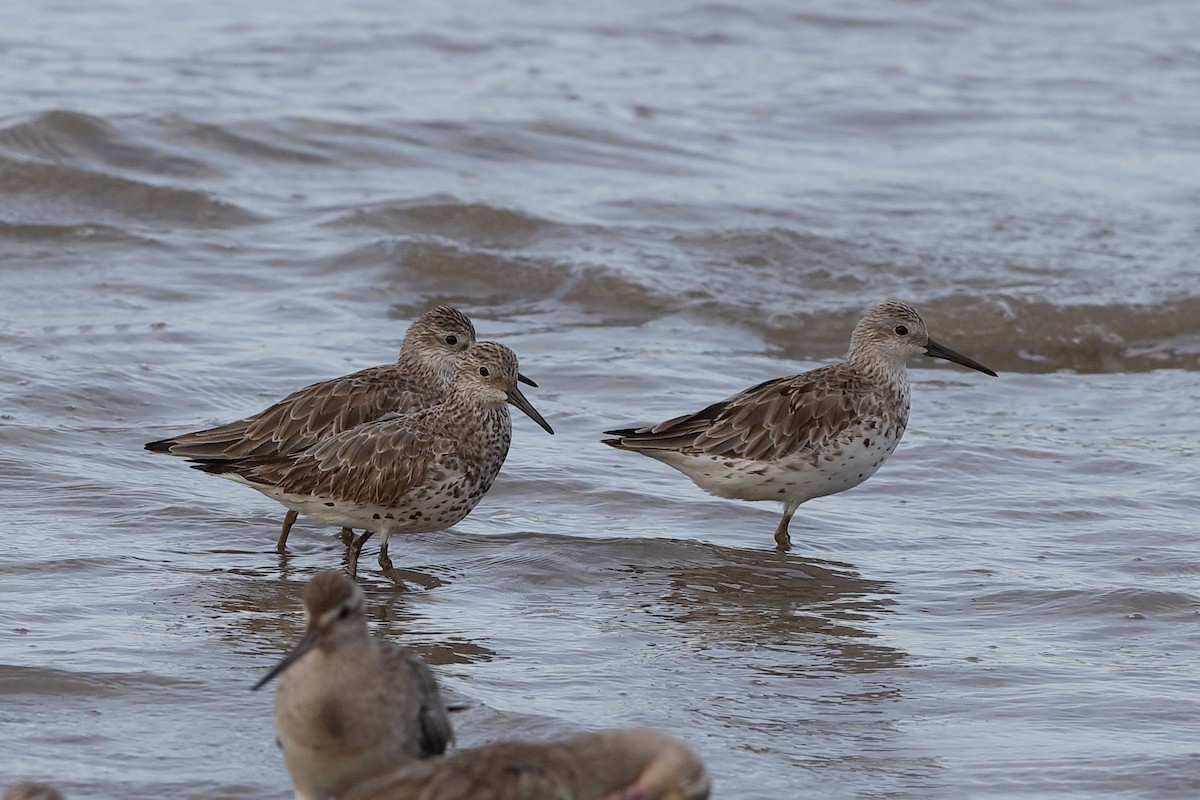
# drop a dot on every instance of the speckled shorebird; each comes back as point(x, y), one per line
point(419, 378)
point(634, 764)
point(802, 436)
point(407, 473)
point(31, 791)
point(350, 706)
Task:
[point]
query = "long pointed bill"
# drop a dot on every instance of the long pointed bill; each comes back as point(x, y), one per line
point(936, 350)
point(517, 399)
point(311, 639)
point(520, 377)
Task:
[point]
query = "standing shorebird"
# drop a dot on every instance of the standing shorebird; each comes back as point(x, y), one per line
point(802, 436)
point(419, 378)
point(350, 707)
point(635, 764)
point(406, 473)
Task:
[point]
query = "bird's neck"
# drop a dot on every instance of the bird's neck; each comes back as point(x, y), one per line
point(883, 372)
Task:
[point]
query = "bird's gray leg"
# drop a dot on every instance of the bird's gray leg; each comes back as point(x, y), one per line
point(289, 520)
point(355, 549)
point(783, 540)
point(385, 563)
point(347, 537)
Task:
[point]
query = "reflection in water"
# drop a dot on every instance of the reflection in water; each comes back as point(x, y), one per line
point(265, 613)
point(366, 571)
point(18, 681)
point(758, 599)
point(783, 650)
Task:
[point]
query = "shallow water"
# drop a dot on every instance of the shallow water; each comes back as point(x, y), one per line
point(205, 206)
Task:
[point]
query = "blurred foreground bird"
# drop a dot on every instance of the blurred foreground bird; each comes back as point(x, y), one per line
point(31, 791)
point(350, 706)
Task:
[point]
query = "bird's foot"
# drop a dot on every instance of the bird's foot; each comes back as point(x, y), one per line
point(783, 541)
point(385, 564)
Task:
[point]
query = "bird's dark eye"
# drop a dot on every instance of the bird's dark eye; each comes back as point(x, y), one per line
point(903, 331)
point(452, 340)
point(484, 371)
point(345, 612)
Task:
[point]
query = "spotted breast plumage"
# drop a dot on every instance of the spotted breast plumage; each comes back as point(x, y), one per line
point(406, 473)
point(419, 378)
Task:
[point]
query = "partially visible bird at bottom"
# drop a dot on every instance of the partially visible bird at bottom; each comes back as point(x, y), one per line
point(804, 436)
point(406, 473)
point(631, 764)
point(350, 706)
point(31, 791)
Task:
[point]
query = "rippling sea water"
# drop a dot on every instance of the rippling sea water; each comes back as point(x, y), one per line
point(206, 205)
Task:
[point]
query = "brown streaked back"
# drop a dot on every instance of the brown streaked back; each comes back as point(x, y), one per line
point(608, 765)
point(432, 347)
point(780, 416)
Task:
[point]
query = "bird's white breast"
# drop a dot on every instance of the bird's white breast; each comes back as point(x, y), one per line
point(796, 476)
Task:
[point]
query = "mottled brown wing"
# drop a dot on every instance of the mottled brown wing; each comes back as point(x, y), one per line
point(679, 433)
point(305, 417)
point(783, 415)
point(372, 464)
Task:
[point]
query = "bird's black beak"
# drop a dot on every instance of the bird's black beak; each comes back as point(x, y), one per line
point(312, 638)
point(520, 377)
point(517, 399)
point(936, 350)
